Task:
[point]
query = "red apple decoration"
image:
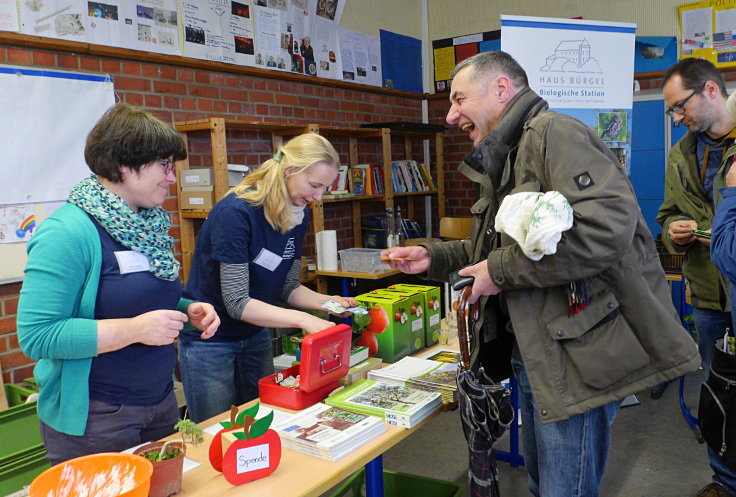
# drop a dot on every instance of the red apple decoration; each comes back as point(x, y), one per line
point(255, 454)
point(215, 451)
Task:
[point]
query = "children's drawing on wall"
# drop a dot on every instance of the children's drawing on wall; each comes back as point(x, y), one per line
point(17, 223)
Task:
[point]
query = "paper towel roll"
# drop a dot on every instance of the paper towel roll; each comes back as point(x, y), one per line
point(327, 250)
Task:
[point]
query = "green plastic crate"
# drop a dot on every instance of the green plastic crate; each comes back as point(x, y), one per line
point(22, 454)
point(14, 477)
point(17, 394)
point(18, 429)
point(400, 485)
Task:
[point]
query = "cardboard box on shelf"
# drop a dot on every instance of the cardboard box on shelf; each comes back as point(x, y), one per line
point(195, 177)
point(199, 198)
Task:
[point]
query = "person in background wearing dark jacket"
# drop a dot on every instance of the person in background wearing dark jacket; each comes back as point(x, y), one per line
point(695, 95)
point(246, 262)
point(573, 366)
point(723, 254)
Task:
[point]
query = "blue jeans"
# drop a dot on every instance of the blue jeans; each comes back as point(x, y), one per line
point(218, 375)
point(721, 473)
point(710, 325)
point(566, 458)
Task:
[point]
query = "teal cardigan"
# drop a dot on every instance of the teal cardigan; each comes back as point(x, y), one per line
point(56, 324)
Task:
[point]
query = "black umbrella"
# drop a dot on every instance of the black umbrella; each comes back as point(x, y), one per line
point(485, 409)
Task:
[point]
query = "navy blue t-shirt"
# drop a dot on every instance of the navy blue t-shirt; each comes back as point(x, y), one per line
point(236, 232)
point(138, 374)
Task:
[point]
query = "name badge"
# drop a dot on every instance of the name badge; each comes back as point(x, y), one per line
point(130, 261)
point(268, 259)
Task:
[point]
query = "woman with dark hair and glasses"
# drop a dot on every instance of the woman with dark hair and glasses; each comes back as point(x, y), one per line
point(101, 302)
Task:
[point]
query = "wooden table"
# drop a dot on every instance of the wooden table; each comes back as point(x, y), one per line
point(347, 275)
point(298, 474)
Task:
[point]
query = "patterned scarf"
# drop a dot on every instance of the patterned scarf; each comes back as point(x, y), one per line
point(145, 231)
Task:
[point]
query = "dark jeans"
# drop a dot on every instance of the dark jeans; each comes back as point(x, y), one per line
point(710, 325)
point(112, 428)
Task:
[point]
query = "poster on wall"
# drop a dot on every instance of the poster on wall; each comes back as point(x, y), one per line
point(274, 49)
point(9, 16)
point(708, 31)
point(143, 25)
point(361, 57)
point(218, 30)
point(324, 21)
point(582, 68)
point(63, 19)
point(449, 52)
point(696, 25)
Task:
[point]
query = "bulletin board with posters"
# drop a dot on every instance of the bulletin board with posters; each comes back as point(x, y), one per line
point(708, 31)
point(448, 52)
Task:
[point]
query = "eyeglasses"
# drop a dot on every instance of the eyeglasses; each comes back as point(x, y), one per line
point(168, 165)
point(680, 108)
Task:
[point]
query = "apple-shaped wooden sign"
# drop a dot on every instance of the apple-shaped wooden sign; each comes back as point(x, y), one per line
point(256, 452)
point(236, 421)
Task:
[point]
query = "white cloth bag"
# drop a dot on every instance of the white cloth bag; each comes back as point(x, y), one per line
point(535, 220)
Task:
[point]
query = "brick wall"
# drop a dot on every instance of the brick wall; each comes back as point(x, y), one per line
point(177, 93)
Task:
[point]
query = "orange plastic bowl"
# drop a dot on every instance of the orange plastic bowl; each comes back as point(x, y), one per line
point(109, 474)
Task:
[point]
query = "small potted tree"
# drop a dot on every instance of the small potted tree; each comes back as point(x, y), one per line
point(168, 458)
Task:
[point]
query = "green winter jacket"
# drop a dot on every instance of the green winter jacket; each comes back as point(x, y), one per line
point(629, 338)
point(685, 198)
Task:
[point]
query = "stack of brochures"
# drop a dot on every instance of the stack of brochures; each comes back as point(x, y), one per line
point(328, 432)
point(423, 374)
point(396, 404)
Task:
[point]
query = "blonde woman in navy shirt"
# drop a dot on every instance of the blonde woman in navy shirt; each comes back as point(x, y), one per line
point(246, 262)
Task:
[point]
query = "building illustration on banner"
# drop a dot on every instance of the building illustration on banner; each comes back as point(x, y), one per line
point(572, 56)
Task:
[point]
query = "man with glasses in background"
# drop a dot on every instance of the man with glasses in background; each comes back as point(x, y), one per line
point(695, 95)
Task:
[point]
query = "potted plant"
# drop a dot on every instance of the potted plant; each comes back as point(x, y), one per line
point(168, 458)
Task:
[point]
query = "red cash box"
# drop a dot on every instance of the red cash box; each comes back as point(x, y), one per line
point(325, 359)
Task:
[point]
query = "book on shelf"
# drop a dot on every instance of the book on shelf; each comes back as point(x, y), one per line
point(363, 171)
point(357, 181)
point(424, 374)
point(408, 182)
point(409, 176)
point(417, 172)
point(378, 180)
point(341, 182)
point(397, 177)
point(328, 432)
point(411, 229)
point(397, 404)
point(427, 176)
point(338, 194)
